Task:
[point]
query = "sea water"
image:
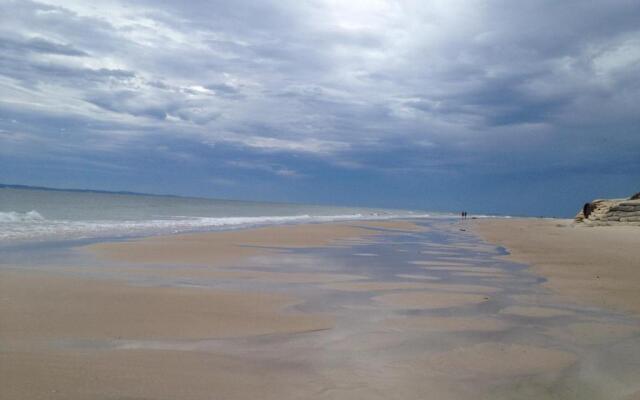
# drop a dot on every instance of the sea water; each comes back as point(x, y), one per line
point(41, 215)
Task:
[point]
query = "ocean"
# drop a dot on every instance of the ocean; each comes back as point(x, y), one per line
point(50, 215)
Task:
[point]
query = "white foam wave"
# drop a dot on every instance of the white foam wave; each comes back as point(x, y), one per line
point(32, 226)
point(13, 216)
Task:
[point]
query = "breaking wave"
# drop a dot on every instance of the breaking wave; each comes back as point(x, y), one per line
point(13, 216)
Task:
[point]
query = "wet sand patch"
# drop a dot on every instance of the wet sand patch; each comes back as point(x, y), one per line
point(447, 324)
point(590, 333)
point(441, 263)
point(45, 306)
point(480, 274)
point(439, 253)
point(228, 274)
point(455, 268)
point(497, 360)
point(421, 277)
point(375, 286)
point(535, 311)
point(401, 225)
point(429, 300)
point(144, 374)
point(460, 287)
point(225, 247)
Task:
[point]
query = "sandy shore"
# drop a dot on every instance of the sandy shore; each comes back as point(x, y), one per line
point(62, 334)
point(375, 310)
point(596, 265)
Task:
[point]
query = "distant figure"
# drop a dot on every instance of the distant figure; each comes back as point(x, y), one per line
point(463, 215)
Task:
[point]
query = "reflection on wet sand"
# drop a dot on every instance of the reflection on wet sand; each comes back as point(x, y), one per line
point(535, 312)
point(314, 318)
point(427, 300)
point(447, 324)
point(501, 360)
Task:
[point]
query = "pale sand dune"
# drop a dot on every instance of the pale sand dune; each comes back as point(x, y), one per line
point(447, 324)
point(429, 300)
point(596, 265)
point(535, 312)
point(499, 360)
point(222, 248)
point(44, 306)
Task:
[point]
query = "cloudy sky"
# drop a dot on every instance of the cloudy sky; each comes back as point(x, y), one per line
point(524, 107)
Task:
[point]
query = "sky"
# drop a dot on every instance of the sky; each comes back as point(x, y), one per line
point(510, 107)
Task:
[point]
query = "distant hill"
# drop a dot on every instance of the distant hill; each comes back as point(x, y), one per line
point(123, 192)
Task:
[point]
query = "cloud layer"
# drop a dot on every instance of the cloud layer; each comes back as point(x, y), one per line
point(411, 104)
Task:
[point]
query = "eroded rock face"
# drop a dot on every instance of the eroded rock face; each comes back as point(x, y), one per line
point(611, 212)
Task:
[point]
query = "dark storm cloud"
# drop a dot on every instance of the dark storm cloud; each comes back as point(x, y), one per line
point(432, 88)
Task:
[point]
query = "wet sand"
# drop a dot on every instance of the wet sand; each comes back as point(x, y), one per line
point(323, 311)
point(428, 300)
point(593, 265)
point(41, 306)
point(223, 248)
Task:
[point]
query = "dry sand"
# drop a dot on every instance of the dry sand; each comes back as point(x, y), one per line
point(594, 265)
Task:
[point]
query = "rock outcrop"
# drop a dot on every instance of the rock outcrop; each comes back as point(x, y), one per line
point(611, 212)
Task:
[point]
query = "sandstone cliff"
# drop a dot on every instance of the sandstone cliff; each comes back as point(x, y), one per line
point(611, 212)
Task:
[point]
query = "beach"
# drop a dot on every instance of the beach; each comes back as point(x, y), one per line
point(591, 265)
point(397, 309)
